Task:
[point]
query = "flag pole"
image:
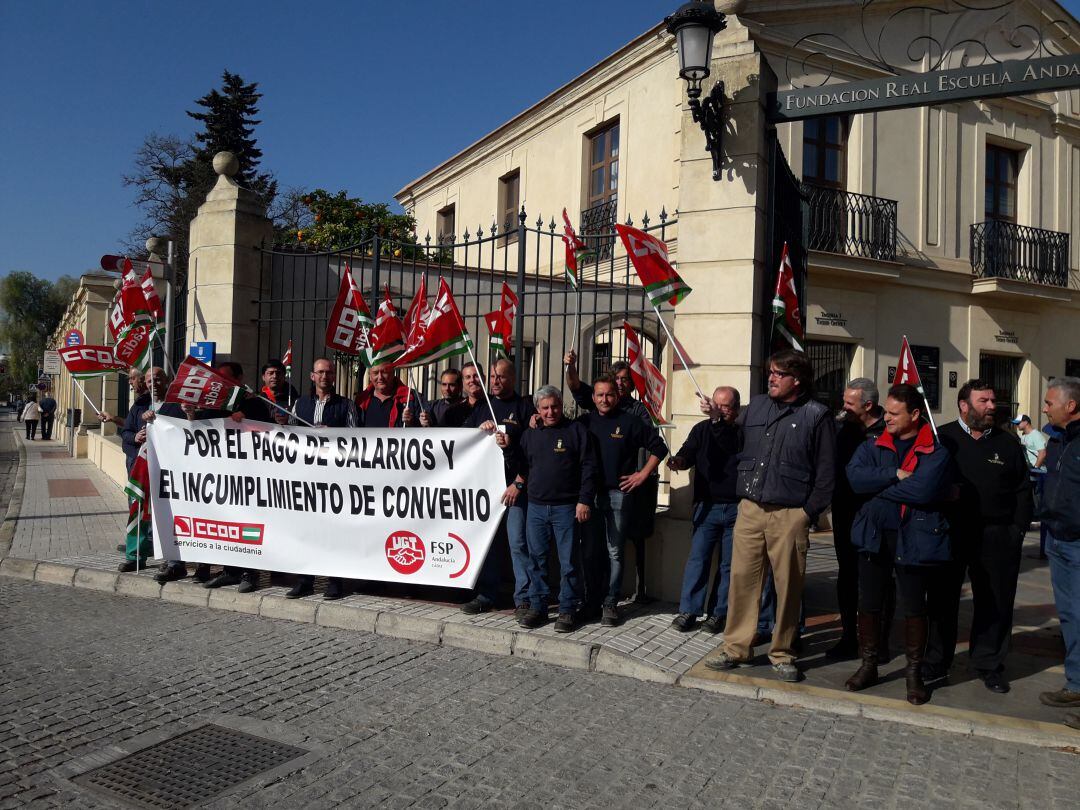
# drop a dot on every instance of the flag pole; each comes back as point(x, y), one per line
point(922, 392)
point(678, 351)
point(89, 401)
point(577, 324)
point(412, 392)
point(286, 411)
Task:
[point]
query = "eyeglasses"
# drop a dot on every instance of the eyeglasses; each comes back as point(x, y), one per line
point(781, 374)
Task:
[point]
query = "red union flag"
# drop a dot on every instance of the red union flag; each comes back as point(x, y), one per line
point(499, 329)
point(440, 334)
point(388, 336)
point(199, 385)
point(907, 373)
point(136, 308)
point(117, 319)
point(350, 324)
point(416, 314)
point(286, 359)
point(787, 316)
point(152, 298)
point(648, 380)
point(650, 258)
point(133, 346)
point(576, 251)
point(88, 362)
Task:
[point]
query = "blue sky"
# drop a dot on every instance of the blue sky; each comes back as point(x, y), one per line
point(358, 95)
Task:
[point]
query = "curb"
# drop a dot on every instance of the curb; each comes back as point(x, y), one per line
point(11, 517)
point(547, 649)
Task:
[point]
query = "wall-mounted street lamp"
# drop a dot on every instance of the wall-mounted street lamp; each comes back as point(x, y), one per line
point(694, 25)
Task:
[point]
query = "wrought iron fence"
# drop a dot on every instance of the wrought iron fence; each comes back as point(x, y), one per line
point(1019, 252)
point(299, 287)
point(849, 223)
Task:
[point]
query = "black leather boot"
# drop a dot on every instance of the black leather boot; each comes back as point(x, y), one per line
point(869, 627)
point(915, 629)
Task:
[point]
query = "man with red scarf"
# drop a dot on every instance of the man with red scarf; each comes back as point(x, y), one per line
point(900, 531)
point(387, 402)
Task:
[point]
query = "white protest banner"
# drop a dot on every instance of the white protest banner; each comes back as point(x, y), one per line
point(418, 505)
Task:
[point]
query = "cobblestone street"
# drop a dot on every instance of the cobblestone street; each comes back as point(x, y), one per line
point(406, 723)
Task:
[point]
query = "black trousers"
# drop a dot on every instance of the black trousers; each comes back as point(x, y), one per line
point(919, 585)
point(47, 425)
point(31, 428)
point(990, 556)
point(847, 570)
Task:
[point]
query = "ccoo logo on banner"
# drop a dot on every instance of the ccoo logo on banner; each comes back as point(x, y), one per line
point(416, 505)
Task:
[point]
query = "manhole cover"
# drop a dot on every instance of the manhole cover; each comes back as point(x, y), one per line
point(188, 768)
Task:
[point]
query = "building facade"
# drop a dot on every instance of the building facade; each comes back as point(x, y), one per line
point(957, 225)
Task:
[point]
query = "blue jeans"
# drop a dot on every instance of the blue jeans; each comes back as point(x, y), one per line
point(609, 525)
point(1065, 577)
point(713, 527)
point(487, 584)
point(547, 523)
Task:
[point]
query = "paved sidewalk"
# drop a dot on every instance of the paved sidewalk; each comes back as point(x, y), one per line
point(73, 534)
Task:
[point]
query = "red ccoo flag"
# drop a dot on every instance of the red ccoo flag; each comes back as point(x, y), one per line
point(388, 336)
point(87, 362)
point(349, 329)
point(648, 380)
point(286, 360)
point(416, 314)
point(787, 315)
point(650, 258)
point(199, 385)
point(440, 334)
point(907, 373)
point(153, 300)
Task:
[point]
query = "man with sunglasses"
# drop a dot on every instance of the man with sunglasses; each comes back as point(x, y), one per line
point(785, 480)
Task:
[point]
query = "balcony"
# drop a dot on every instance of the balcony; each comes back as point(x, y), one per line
point(850, 224)
point(1006, 250)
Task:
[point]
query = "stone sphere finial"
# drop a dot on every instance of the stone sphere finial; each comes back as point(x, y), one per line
point(156, 245)
point(730, 6)
point(226, 163)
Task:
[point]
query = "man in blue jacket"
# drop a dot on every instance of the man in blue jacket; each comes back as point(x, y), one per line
point(900, 530)
point(1060, 512)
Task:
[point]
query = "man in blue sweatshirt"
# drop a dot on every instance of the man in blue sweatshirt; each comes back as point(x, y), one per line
point(619, 436)
point(556, 462)
point(510, 417)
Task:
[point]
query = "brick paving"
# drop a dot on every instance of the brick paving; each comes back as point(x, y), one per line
point(405, 724)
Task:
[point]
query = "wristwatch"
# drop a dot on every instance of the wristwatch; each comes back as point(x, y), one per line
point(519, 486)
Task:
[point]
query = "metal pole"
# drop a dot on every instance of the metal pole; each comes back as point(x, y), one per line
point(519, 327)
point(169, 276)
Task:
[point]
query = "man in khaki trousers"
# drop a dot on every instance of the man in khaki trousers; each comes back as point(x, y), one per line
point(786, 471)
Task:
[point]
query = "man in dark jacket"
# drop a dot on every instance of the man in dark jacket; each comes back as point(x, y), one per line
point(134, 435)
point(387, 402)
point(861, 419)
point(619, 437)
point(988, 523)
point(905, 473)
point(48, 415)
point(278, 389)
point(558, 463)
point(1060, 511)
point(324, 407)
point(786, 470)
point(456, 411)
point(712, 448)
point(642, 503)
point(511, 416)
point(256, 410)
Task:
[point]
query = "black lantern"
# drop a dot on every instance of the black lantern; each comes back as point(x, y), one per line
point(694, 25)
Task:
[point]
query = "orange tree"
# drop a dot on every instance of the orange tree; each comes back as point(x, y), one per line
point(337, 221)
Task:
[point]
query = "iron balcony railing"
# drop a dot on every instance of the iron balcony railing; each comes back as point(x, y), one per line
point(849, 223)
point(598, 229)
point(1018, 252)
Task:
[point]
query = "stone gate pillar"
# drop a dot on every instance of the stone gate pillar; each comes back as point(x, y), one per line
point(224, 267)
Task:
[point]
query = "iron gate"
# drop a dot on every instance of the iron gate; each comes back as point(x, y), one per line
point(299, 287)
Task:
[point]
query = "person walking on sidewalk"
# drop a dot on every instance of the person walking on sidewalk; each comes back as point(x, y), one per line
point(1060, 512)
point(786, 472)
point(861, 418)
point(31, 413)
point(1034, 442)
point(48, 416)
point(712, 448)
point(988, 522)
point(901, 530)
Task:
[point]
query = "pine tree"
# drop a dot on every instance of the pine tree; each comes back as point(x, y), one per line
point(229, 122)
